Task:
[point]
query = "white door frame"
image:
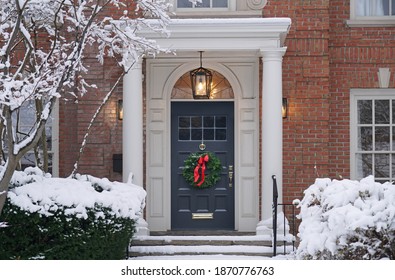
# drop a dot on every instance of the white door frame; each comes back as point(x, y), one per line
point(243, 75)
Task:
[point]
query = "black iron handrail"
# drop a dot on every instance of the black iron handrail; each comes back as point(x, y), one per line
point(275, 210)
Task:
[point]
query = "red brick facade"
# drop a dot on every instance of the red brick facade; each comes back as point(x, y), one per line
point(325, 58)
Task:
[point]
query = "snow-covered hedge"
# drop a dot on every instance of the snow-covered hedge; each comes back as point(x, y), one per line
point(81, 218)
point(347, 220)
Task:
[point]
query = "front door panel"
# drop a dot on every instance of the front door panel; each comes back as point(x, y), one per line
point(194, 123)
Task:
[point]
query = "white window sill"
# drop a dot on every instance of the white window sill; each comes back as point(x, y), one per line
point(371, 22)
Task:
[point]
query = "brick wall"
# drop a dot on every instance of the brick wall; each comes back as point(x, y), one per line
point(324, 60)
point(356, 54)
point(105, 138)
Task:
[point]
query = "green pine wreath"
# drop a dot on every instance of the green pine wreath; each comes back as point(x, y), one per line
point(212, 170)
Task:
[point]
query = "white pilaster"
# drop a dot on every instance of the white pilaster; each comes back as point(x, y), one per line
point(132, 127)
point(272, 130)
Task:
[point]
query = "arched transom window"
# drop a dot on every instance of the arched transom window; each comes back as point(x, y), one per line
point(220, 88)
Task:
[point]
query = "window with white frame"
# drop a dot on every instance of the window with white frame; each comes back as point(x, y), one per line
point(204, 8)
point(24, 119)
point(181, 4)
point(373, 134)
point(374, 12)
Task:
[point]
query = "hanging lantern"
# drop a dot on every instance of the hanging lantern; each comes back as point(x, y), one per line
point(201, 79)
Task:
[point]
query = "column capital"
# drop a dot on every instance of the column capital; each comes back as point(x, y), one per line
point(270, 54)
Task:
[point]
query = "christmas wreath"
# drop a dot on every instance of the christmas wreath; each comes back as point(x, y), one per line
point(202, 170)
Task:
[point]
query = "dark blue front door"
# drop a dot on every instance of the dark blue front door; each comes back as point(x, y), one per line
point(211, 124)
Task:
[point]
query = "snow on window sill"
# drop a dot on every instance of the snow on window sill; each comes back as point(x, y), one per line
point(371, 22)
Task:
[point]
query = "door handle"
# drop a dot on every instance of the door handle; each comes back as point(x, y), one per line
point(230, 176)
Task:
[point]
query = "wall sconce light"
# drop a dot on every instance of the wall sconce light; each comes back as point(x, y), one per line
point(284, 108)
point(201, 79)
point(120, 109)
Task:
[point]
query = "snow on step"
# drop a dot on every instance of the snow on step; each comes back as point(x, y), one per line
point(203, 249)
point(170, 238)
point(248, 245)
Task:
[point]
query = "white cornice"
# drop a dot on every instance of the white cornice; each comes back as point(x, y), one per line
point(223, 34)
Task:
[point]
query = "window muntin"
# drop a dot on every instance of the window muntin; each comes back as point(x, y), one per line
point(373, 136)
point(202, 128)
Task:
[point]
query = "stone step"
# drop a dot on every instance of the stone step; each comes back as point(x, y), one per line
point(136, 251)
point(243, 245)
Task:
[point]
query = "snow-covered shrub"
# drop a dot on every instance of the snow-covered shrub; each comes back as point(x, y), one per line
point(347, 220)
point(82, 218)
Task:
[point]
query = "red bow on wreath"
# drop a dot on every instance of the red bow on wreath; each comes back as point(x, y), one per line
point(201, 165)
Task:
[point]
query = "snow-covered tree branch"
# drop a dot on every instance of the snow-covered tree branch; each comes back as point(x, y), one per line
point(42, 47)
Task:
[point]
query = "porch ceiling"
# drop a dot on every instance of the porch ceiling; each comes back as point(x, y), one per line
point(247, 35)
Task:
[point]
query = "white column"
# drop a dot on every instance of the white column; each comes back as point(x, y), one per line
point(272, 132)
point(132, 126)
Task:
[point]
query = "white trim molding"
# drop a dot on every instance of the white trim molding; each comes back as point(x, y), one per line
point(370, 95)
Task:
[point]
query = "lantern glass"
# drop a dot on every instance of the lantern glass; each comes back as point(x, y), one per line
point(201, 80)
point(120, 109)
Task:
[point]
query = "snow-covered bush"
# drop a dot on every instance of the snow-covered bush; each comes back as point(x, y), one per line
point(82, 218)
point(347, 220)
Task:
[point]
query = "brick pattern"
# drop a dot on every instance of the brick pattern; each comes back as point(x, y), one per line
point(105, 138)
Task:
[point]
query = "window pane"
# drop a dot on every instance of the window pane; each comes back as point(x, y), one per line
point(208, 134)
point(382, 138)
point(196, 121)
point(382, 111)
point(365, 139)
point(381, 165)
point(386, 7)
point(364, 165)
point(184, 4)
point(197, 134)
point(204, 4)
point(184, 122)
point(364, 111)
point(220, 134)
point(220, 3)
point(371, 7)
point(220, 122)
point(184, 134)
point(27, 160)
point(393, 166)
point(208, 121)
